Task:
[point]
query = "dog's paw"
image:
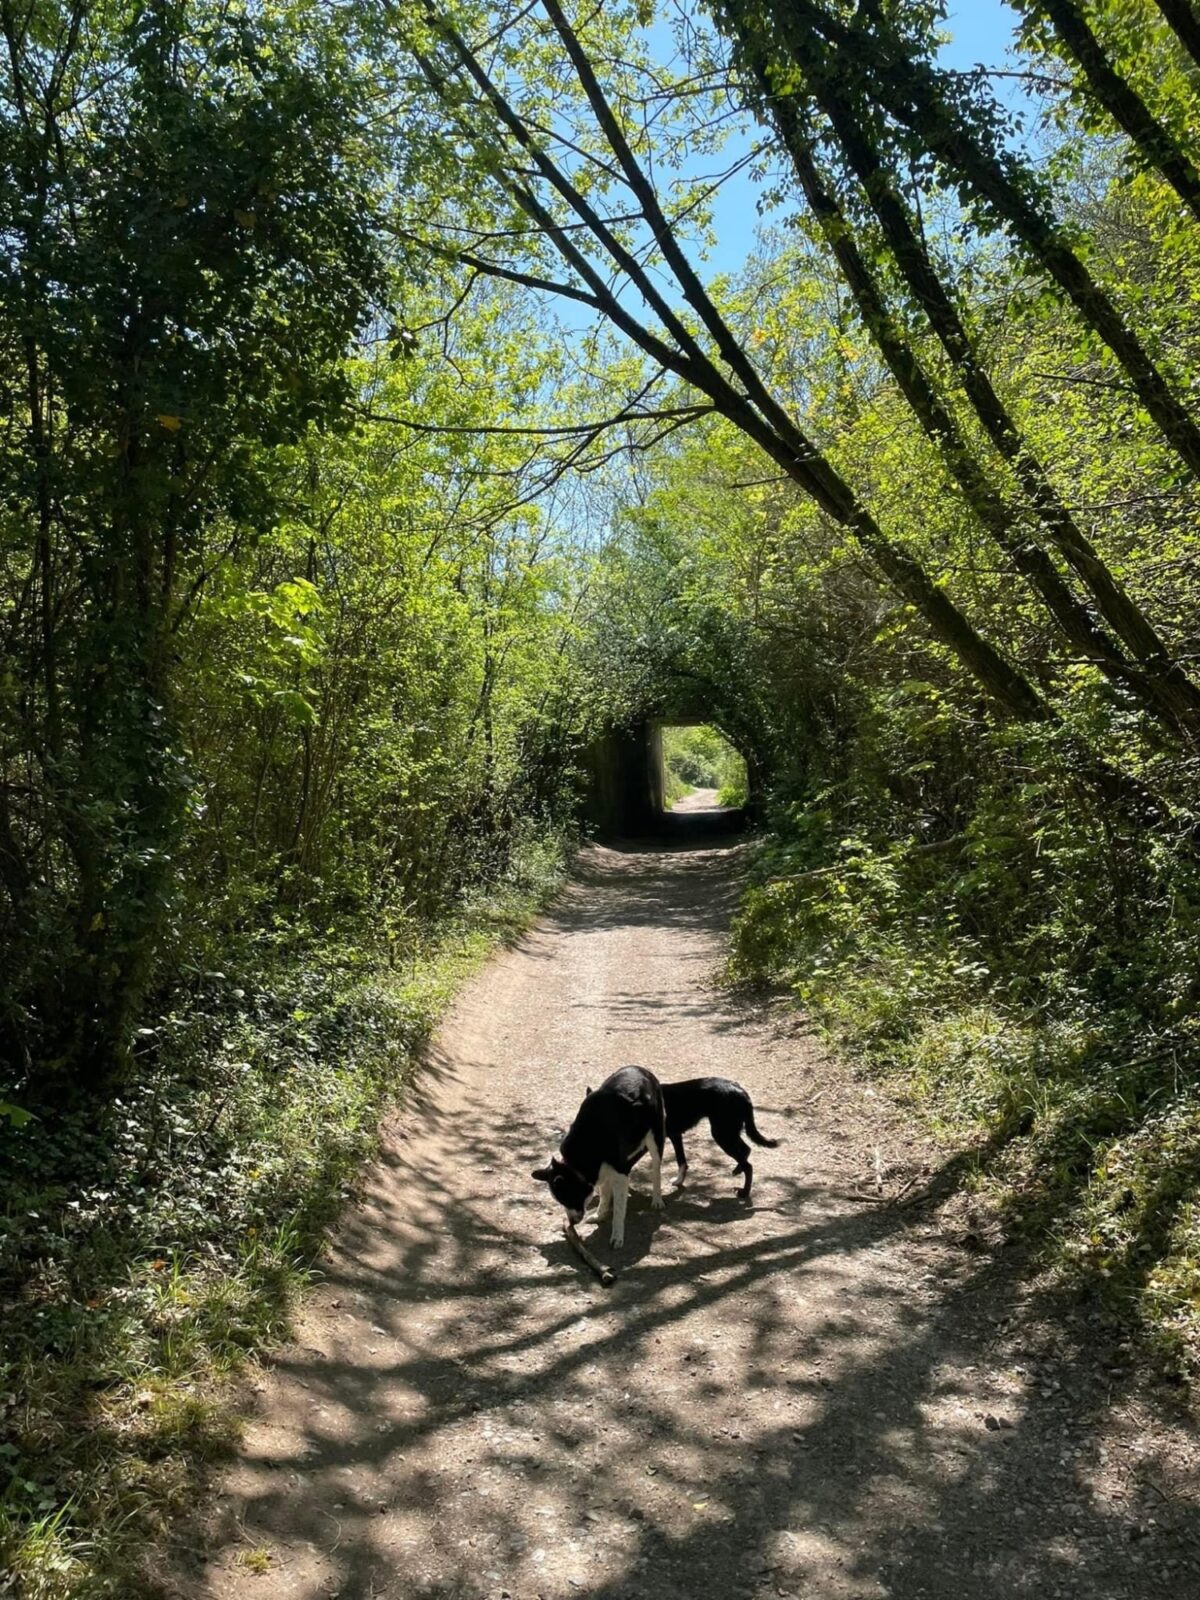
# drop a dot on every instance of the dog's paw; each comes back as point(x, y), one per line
point(657, 1203)
point(617, 1240)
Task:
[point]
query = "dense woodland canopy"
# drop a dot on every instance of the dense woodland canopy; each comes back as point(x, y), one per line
point(375, 431)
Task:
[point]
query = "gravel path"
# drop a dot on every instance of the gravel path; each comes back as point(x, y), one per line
point(818, 1397)
point(698, 800)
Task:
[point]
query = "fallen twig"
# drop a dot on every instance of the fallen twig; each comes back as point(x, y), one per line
point(606, 1274)
point(880, 1199)
point(900, 1193)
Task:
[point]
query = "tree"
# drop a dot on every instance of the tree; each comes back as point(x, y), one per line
point(515, 150)
point(965, 137)
point(1062, 22)
point(1157, 679)
point(188, 250)
point(1181, 15)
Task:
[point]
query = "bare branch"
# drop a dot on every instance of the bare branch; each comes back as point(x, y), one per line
point(565, 431)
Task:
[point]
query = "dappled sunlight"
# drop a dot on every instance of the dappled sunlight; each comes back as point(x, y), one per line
point(792, 1394)
point(728, 474)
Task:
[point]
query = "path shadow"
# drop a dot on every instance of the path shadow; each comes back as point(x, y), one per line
point(848, 1476)
point(803, 1398)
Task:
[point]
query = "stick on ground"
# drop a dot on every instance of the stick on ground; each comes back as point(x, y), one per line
point(606, 1274)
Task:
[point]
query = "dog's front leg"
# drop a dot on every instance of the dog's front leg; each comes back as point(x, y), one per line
point(604, 1192)
point(656, 1199)
point(620, 1194)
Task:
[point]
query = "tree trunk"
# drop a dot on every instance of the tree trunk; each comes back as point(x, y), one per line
point(1176, 695)
point(1183, 19)
point(755, 411)
point(909, 91)
point(1001, 520)
point(1120, 99)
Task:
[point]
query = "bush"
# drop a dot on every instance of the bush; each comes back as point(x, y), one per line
point(1077, 1078)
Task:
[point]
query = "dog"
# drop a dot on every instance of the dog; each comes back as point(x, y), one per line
point(616, 1124)
point(729, 1110)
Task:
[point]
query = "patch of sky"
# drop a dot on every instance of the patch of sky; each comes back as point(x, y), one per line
point(979, 33)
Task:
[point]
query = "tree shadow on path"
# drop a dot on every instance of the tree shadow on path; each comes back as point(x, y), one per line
point(808, 1397)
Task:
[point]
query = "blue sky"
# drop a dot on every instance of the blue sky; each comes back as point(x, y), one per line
point(982, 31)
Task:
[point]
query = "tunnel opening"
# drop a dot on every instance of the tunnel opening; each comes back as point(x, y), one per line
point(700, 770)
point(671, 777)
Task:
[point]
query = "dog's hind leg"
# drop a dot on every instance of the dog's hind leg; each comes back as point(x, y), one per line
point(734, 1145)
point(656, 1199)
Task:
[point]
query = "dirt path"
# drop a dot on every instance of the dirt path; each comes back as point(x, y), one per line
point(698, 800)
point(813, 1398)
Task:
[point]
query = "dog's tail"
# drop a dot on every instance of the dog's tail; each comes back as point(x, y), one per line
point(752, 1130)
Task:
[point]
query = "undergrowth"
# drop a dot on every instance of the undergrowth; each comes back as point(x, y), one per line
point(1079, 1097)
point(146, 1253)
point(675, 788)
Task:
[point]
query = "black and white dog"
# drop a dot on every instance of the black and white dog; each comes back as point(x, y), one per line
point(614, 1126)
point(729, 1110)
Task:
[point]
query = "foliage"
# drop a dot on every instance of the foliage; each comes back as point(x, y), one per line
point(970, 909)
point(164, 336)
point(288, 714)
point(147, 1254)
point(324, 551)
point(1059, 1043)
point(1000, 918)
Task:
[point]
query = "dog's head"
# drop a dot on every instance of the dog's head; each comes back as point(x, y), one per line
point(568, 1187)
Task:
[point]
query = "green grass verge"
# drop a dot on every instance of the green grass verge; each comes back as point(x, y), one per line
point(193, 1215)
point(675, 788)
point(1082, 1122)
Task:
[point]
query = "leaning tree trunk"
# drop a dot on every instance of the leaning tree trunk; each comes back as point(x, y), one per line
point(1002, 521)
point(1120, 99)
point(1182, 17)
point(1176, 696)
point(752, 408)
point(910, 91)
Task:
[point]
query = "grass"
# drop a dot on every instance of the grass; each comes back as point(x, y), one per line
point(146, 1257)
point(675, 788)
point(1084, 1118)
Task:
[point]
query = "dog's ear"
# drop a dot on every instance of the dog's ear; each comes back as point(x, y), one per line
point(588, 1090)
point(543, 1174)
